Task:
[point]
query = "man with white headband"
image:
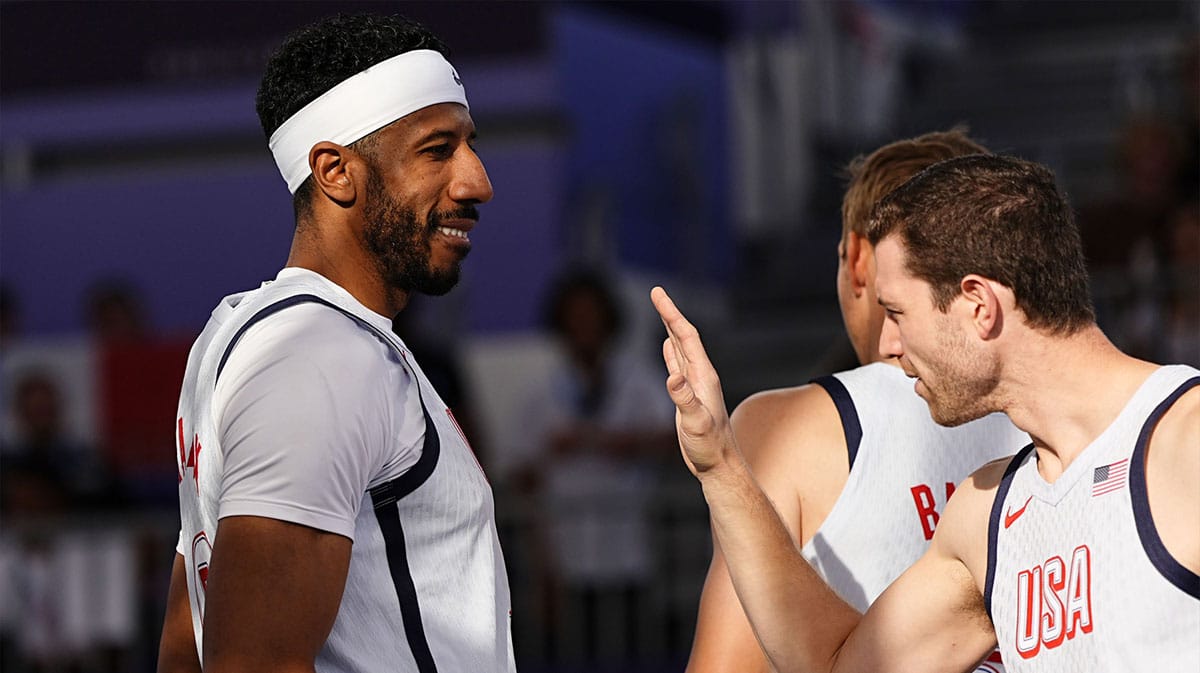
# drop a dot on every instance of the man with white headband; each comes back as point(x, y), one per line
point(356, 529)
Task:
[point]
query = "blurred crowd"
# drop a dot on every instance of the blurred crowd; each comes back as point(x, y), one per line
point(604, 532)
point(1143, 240)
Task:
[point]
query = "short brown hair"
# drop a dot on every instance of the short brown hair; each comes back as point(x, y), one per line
point(1001, 217)
point(875, 175)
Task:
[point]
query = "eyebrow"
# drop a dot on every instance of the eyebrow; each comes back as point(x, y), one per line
point(445, 134)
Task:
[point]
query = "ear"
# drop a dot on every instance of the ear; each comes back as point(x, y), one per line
point(858, 256)
point(330, 171)
point(984, 304)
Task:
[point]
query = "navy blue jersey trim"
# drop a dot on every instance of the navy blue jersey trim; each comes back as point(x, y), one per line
point(847, 411)
point(389, 492)
point(1159, 556)
point(388, 515)
point(268, 310)
point(994, 524)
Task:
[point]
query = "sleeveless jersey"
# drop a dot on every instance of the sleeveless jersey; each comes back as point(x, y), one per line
point(426, 588)
point(1078, 578)
point(903, 468)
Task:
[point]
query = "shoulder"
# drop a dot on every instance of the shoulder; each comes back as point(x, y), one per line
point(793, 440)
point(1173, 479)
point(317, 335)
point(309, 352)
point(962, 531)
point(786, 418)
point(1179, 429)
point(1173, 449)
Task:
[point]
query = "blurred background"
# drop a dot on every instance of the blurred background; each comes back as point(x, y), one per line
point(697, 145)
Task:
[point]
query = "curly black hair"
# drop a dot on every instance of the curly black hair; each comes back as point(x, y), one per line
point(316, 58)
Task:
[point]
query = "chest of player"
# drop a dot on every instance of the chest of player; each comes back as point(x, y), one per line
point(1075, 586)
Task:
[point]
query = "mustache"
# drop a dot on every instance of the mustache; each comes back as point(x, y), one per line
point(466, 212)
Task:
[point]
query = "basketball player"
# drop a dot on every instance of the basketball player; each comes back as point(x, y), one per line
point(852, 462)
point(333, 516)
point(1082, 551)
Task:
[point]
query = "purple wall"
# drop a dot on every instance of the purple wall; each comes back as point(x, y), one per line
point(188, 231)
point(174, 190)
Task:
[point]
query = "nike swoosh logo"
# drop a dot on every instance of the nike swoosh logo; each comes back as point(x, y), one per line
point(1011, 517)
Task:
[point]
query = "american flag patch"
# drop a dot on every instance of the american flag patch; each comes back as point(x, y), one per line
point(1109, 478)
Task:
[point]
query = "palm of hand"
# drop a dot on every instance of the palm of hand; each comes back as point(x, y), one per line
point(701, 420)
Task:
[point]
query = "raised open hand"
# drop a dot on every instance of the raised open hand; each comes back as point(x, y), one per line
point(701, 420)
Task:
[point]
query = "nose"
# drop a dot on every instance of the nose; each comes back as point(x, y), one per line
point(890, 345)
point(470, 184)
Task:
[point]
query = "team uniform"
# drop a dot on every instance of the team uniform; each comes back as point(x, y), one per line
point(300, 404)
point(1078, 578)
point(903, 468)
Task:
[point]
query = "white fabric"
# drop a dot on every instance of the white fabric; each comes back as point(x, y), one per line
point(315, 405)
point(1082, 531)
point(876, 530)
point(308, 380)
point(363, 104)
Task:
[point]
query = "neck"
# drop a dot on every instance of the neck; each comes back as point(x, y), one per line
point(1065, 391)
point(336, 254)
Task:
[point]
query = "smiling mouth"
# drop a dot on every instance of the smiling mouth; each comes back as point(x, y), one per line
point(454, 233)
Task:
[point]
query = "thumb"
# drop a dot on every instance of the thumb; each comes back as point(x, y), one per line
point(681, 393)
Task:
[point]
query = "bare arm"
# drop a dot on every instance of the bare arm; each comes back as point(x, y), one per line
point(932, 618)
point(273, 592)
point(177, 648)
point(801, 623)
point(793, 442)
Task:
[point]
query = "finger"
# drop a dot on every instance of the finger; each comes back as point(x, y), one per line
point(688, 347)
point(681, 393)
point(665, 307)
point(670, 358)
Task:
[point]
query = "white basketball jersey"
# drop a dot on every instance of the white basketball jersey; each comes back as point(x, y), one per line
point(1078, 578)
point(426, 589)
point(903, 468)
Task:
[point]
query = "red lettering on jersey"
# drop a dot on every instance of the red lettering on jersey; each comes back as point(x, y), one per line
point(182, 457)
point(926, 506)
point(1029, 609)
point(467, 442)
point(1054, 614)
point(189, 458)
point(201, 556)
point(1054, 602)
point(1079, 592)
point(926, 511)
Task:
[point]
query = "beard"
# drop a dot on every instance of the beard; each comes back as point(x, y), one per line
point(399, 242)
point(964, 377)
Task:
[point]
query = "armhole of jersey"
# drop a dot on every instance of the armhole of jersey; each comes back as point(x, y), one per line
point(1156, 551)
point(406, 483)
point(846, 411)
point(994, 524)
point(263, 313)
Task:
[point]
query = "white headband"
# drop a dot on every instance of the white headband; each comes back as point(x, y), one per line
point(363, 104)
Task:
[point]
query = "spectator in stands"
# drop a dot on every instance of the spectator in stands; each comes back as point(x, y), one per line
point(598, 429)
point(68, 586)
point(44, 470)
point(114, 310)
